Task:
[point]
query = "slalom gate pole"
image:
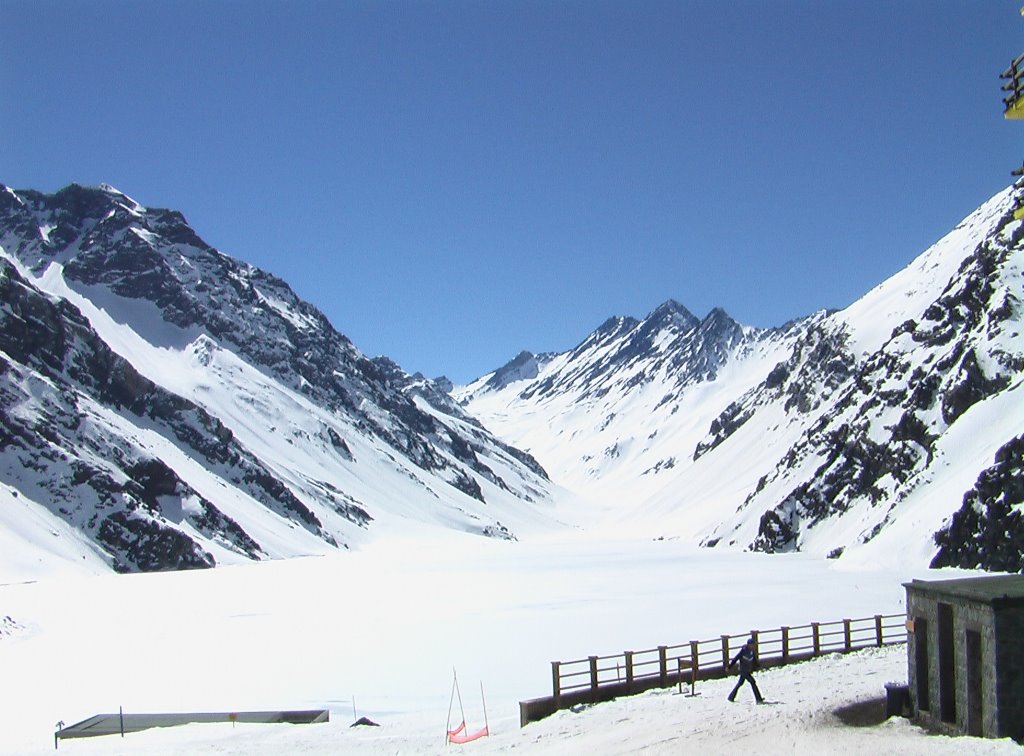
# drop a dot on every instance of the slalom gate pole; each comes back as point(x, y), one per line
point(487, 725)
point(451, 700)
point(462, 709)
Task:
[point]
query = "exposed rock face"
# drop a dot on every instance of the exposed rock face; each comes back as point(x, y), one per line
point(137, 466)
point(624, 354)
point(892, 408)
point(59, 381)
point(523, 367)
point(987, 532)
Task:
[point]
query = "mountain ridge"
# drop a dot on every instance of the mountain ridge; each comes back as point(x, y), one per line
point(825, 430)
point(180, 408)
point(188, 331)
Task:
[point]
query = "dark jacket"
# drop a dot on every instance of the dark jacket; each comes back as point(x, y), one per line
point(746, 660)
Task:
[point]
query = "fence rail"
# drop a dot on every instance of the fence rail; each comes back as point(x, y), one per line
point(601, 678)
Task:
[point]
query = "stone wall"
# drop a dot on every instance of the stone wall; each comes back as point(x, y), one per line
point(967, 616)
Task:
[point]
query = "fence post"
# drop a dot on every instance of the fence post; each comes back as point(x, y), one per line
point(785, 644)
point(556, 684)
point(663, 665)
point(694, 661)
point(847, 641)
point(593, 677)
point(725, 652)
point(816, 636)
point(878, 629)
point(629, 670)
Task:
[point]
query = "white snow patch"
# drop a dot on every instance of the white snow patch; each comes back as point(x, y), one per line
point(300, 321)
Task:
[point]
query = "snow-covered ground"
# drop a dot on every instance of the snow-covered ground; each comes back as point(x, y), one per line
point(379, 631)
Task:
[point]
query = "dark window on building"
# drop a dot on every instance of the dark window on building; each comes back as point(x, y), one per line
point(947, 665)
point(974, 696)
point(921, 662)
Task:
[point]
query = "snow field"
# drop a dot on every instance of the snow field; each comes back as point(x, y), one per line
point(387, 624)
point(799, 720)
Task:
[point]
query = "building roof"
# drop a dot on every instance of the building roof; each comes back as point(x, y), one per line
point(110, 724)
point(1004, 589)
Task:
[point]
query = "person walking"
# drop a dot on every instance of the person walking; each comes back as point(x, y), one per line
point(746, 659)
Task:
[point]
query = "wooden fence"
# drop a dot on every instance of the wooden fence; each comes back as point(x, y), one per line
point(602, 678)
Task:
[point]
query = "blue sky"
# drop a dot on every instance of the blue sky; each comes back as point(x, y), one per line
point(452, 182)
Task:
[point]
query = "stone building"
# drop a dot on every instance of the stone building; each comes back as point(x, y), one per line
point(965, 654)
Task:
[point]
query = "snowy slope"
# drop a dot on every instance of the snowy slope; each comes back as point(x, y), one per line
point(610, 417)
point(859, 430)
point(180, 408)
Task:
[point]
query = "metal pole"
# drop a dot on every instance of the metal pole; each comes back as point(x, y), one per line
point(451, 700)
point(487, 725)
point(462, 709)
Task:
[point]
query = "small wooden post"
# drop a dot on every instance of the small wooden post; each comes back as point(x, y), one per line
point(725, 652)
point(878, 629)
point(556, 684)
point(816, 637)
point(785, 644)
point(121, 714)
point(694, 662)
point(663, 665)
point(847, 639)
point(629, 670)
point(593, 676)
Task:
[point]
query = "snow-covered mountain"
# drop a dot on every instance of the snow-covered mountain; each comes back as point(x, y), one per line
point(167, 406)
point(841, 433)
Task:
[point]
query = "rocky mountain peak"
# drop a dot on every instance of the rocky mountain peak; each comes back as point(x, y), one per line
point(248, 357)
point(521, 367)
point(671, 313)
point(826, 434)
